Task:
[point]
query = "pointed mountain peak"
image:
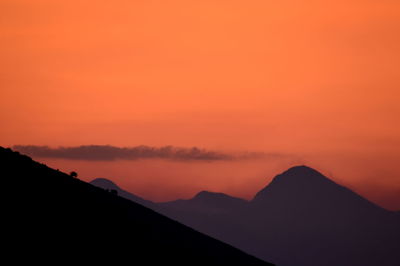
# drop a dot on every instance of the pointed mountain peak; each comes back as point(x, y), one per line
point(301, 169)
point(300, 174)
point(297, 180)
point(302, 189)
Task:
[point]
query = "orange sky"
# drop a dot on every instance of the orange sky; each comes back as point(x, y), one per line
point(318, 80)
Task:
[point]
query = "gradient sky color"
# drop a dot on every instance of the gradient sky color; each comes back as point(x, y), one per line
point(317, 81)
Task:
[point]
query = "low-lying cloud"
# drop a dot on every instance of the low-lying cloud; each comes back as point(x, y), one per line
point(110, 153)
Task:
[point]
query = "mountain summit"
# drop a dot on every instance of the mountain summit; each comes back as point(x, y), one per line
point(303, 174)
point(302, 188)
point(298, 180)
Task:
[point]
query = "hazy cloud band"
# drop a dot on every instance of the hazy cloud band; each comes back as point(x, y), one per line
point(109, 153)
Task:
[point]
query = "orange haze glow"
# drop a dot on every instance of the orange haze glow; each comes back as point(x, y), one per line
point(316, 80)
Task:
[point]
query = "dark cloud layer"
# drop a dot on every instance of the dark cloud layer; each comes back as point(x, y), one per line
point(109, 153)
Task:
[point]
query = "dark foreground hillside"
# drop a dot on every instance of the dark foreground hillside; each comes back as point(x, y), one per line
point(51, 217)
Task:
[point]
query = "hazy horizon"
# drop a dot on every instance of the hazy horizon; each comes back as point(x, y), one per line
point(166, 179)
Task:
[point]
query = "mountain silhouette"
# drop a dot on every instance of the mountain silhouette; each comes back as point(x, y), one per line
point(52, 217)
point(300, 218)
point(303, 189)
point(208, 201)
point(323, 223)
point(109, 185)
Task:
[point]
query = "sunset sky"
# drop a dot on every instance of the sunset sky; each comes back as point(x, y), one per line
point(304, 82)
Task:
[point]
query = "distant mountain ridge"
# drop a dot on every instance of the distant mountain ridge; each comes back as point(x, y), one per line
point(108, 184)
point(51, 217)
point(208, 200)
point(300, 218)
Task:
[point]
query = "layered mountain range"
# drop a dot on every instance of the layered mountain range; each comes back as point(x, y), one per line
point(300, 218)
